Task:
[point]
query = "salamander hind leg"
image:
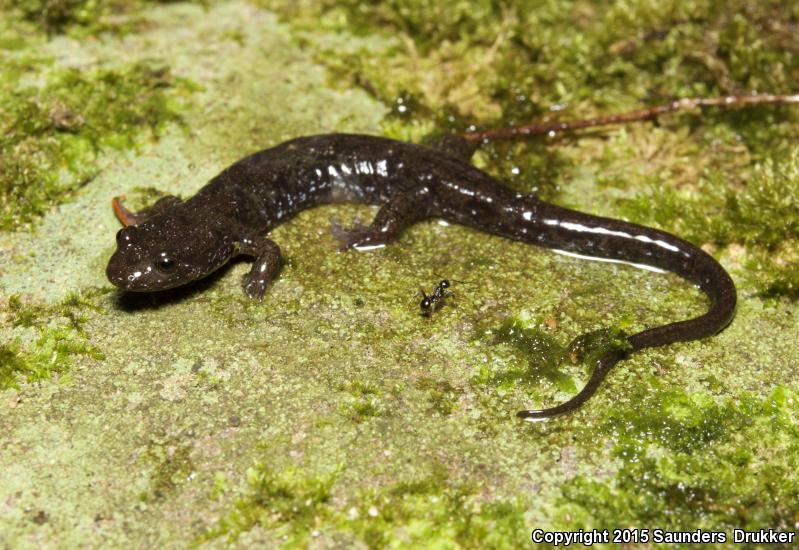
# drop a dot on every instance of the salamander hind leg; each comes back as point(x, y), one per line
point(264, 268)
point(399, 212)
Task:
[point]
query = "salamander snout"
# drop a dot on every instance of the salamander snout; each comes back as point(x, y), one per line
point(142, 264)
point(139, 273)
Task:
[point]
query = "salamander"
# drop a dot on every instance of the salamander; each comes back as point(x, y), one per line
point(175, 242)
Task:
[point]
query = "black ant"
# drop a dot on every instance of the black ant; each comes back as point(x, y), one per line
point(432, 302)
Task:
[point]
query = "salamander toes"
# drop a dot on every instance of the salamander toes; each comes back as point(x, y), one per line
point(358, 236)
point(255, 286)
point(347, 237)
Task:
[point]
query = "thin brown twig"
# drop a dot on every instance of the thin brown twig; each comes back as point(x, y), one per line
point(631, 116)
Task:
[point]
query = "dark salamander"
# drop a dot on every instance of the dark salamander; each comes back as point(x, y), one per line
point(173, 242)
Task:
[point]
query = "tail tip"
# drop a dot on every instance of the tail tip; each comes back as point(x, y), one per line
point(535, 415)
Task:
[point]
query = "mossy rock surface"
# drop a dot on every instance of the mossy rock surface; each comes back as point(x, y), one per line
point(333, 414)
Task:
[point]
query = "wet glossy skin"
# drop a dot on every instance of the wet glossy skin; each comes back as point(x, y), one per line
point(174, 243)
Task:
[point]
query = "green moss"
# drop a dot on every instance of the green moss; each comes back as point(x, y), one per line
point(764, 213)
point(51, 134)
point(25, 315)
point(173, 466)
point(54, 351)
point(542, 356)
point(580, 49)
point(12, 364)
point(288, 501)
point(427, 511)
point(442, 396)
point(89, 16)
point(59, 339)
point(775, 278)
point(56, 15)
point(364, 402)
point(434, 513)
point(688, 461)
point(763, 216)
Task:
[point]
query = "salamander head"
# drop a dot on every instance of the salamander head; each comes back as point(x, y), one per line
point(165, 253)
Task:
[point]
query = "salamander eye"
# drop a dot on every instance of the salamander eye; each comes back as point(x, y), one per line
point(126, 234)
point(165, 264)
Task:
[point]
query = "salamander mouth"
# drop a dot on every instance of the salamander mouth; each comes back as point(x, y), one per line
point(125, 283)
point(136, 279)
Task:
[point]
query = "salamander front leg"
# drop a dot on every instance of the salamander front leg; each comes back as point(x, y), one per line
point(399, 212)
point(265, 267)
